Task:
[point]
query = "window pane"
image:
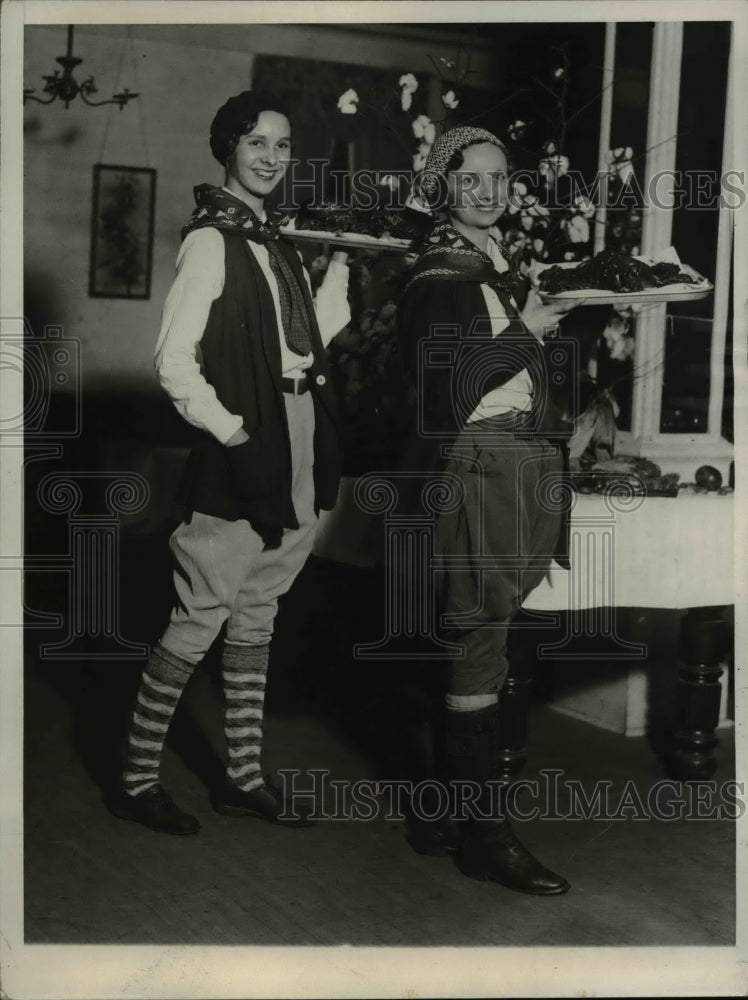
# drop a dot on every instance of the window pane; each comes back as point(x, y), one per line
point(633, 54)
point(698, 164)
point(685, 388)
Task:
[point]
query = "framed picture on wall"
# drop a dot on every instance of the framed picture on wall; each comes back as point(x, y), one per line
point(122, 232)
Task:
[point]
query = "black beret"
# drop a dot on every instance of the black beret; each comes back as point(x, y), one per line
point(238, 116)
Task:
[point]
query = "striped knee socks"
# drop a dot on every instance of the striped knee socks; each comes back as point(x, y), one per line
point(164, 679)
point(244, 674)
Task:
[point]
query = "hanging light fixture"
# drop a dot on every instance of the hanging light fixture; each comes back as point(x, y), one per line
point(67, 88)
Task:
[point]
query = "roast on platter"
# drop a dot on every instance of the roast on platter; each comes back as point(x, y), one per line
point(620, 278)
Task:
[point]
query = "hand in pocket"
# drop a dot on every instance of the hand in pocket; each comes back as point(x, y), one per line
point(250, 475)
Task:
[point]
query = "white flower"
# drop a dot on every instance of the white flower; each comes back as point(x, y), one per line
point(553, 167)
point(517, 197)
point(620, 344)
point(516, 129)
point(409, 86)
point(538, 245)
point(577, 229)
point(515, 238)
point(620, 163)
point(420, 124)
point(569, 255)
point(532, 209)
point(449, 99)
point(584, 206)
point(347, 102)
point(412, 202)
point(389, 181)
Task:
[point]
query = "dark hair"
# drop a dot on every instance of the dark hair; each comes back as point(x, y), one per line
point(237, 117)
point(457, 158)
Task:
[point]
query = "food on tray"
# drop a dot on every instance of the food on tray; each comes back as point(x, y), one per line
point(613, 271)
point(379, 223)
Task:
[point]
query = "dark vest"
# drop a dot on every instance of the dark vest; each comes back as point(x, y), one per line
point(240, 358)
point(450, 356)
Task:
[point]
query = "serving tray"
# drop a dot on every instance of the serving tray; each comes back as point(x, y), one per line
point(680, 291)
point(348, 241)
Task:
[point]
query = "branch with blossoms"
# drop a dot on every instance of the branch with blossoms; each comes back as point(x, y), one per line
point(550, 213)
point(553, 217)
point(424, 128)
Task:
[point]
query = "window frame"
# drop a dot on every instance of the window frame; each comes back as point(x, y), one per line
point(679, 452)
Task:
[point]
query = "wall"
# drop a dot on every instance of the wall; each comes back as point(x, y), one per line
point(183, 73)
point(181, 87)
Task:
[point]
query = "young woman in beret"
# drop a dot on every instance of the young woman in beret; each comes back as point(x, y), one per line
point(241, 354)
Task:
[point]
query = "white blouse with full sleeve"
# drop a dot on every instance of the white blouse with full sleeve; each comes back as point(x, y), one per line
point(198, 283)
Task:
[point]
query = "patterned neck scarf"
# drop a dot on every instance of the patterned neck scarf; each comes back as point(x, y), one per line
point(221, 210)
point(450, 256)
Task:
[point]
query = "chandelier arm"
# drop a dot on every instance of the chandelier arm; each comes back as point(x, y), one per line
point(94, 104)
point(29, 96)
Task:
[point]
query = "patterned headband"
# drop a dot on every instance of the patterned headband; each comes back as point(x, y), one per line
point(444, 149)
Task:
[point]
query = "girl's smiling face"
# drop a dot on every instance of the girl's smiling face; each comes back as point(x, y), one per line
point(477, 191)
point(260, 159)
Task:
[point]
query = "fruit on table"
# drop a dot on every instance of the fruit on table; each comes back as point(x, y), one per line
point(708, 477)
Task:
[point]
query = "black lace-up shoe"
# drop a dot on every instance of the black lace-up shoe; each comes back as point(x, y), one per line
point(496, 854)
point(153, 808)
point(265, 802)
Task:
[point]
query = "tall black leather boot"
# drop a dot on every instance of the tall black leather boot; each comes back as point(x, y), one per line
point(431, 828)
point(490, 850)
point(418, 741)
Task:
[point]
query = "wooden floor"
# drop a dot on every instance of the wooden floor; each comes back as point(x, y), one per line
point(91, 878)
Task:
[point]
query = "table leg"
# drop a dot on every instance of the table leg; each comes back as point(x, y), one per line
point(704, 635)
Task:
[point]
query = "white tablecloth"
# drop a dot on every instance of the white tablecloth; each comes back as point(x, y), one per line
point(657, 552)
point(666, 553)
